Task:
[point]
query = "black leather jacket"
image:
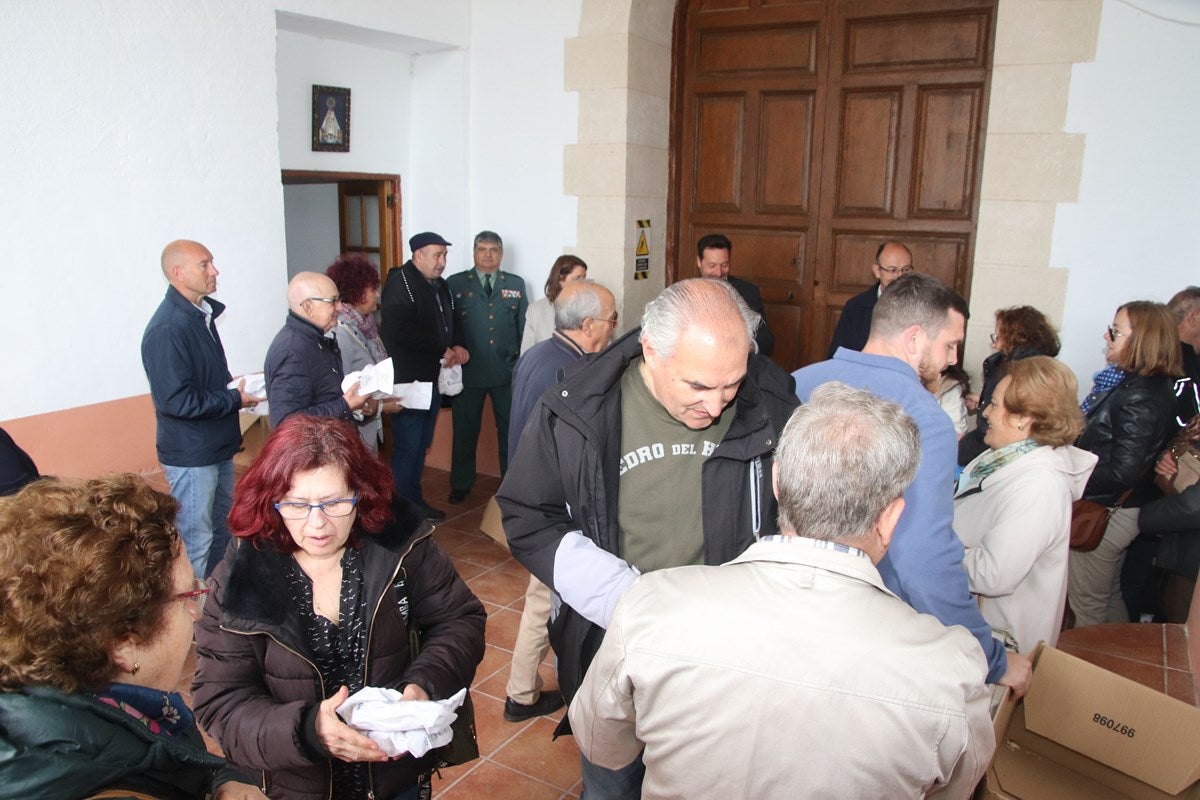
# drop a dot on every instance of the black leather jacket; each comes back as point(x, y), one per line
point(1127, 427)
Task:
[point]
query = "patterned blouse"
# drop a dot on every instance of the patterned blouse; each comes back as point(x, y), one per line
point(339, 651)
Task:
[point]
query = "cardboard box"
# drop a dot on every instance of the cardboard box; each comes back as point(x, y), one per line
point(1084, 733)
point(492, 525)
point(255, 430)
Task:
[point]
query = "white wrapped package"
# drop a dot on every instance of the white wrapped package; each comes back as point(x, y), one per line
point(375, 380)
point(401, 726)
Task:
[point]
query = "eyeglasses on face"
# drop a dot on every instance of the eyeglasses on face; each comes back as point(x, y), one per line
point(1113, 333)
point(340, 507)
point(993, 337)
point(194, 599)
point(611, 320)
point(331, 300)
point(896, 270)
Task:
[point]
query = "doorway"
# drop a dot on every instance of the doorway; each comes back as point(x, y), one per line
point(330, 213)
point(808, 132)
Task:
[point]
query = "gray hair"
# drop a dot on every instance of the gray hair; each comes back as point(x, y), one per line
point(702, 301)
point(915, 299)
point(1184, 301)
point(491, 237)
point(573, 307)
point(843, 456)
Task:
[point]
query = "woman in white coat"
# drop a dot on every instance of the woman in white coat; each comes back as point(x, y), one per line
point(539, 318)
point(1012, 508)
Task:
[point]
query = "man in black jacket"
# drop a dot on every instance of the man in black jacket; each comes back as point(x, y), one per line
point(196, 415)
point(713, 253)
point(303, 369)
point(892, 260)
point(656, 453)
point(417, 329)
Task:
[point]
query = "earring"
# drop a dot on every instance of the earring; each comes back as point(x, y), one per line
point(136, 667)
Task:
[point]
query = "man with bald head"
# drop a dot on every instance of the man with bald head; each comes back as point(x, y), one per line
point(196, 415)
point(303, 366)
point(892, 260)
point(655, 453)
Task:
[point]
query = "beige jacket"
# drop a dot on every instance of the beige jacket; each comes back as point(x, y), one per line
point(790, 672)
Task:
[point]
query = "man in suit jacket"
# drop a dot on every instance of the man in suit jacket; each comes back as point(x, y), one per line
point(712, 260)
point(489, 309)
point(417, 329)
point(892, 260)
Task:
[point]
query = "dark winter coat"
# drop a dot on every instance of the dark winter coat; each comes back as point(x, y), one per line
point(415, 328)
point(304, 373)
point(1127, 427)
point(56, 746)
point(564, 477)
point(185, 363)
point(257, 687)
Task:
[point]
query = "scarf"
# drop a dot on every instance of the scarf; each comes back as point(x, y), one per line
point(365, 325)
point(991, 461)
point(164, 713)
point(1103, 381)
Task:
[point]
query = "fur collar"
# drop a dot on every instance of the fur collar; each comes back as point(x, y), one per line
point(255, 576)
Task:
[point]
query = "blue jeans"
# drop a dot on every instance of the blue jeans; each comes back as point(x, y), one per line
point(205, 495)
point(600, 783)
point(412, 434)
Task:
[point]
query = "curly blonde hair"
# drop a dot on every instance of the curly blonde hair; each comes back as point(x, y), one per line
point(83, 565)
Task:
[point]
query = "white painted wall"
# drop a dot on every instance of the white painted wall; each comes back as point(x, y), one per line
point(128, 125)
point(380, 97)
point(521, 118)
point(1132, 235)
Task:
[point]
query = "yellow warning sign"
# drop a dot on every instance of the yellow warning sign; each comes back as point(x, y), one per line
point(641, 260)
point(643, 249)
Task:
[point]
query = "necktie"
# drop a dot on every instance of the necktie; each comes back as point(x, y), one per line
point(487, 284)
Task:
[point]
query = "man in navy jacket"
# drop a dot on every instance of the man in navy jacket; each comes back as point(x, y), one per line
point(197, 415)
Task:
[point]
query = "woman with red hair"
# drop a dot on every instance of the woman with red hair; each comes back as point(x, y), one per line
point(315, 602)
point(357, 281)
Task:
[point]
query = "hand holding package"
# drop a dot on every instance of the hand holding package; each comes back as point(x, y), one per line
point(401, 726)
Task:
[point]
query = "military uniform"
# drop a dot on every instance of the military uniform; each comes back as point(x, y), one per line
point(489, 327)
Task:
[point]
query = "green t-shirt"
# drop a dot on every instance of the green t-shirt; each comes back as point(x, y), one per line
point(659, 510)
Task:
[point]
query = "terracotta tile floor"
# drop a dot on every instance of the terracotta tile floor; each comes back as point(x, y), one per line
point(518, 761)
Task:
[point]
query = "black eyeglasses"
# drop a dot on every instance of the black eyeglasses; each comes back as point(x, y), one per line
point(340, 507)
point(1113, 333)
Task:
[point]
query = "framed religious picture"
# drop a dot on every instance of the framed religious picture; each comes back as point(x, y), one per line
point(331, 119)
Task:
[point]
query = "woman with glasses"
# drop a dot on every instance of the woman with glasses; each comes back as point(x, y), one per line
point(1012, 507)
point(1021, 332)
point(1129, 412)
point(357, 281)
point(539, 318)
point(97, 605)
point(316, 602)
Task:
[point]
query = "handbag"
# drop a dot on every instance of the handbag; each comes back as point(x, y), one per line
point(1088, 521)
point(464, 744)
point(1185, 448)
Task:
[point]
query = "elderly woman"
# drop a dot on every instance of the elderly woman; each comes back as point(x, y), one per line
point(357, 280)
point(539, 318)
point(1130, 412)
point(1021, 331)
point(97, 603)
point(1013, 505)
point(315, 602)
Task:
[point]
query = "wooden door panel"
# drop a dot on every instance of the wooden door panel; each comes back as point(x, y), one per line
point(946, 151)
point(808, 131)
point(723, 52)
point(870, 133)
point(784, 152)
point(718, 167)
point(918, 41)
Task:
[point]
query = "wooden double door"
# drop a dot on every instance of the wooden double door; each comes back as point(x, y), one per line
point(808, 132)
